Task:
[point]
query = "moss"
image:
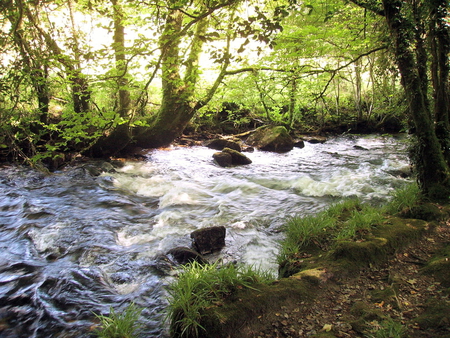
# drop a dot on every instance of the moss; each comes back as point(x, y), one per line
point(424, 211)
point(244, 309)
point(436, 315)
point(361, 253)
point(399, 231)
point(324, 335)
point(365, 314)
point(439, 266)
point(387, 296)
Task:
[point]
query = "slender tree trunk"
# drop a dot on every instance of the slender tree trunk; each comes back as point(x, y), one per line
point(124, 100)
point(292, 99)
point(358, 89)
point(33, 62)
point(80, 88)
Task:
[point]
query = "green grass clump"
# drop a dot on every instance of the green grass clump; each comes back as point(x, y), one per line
point(200, 287)
point(359, 219)
point(119, 325)
point(346, 221)
point(404, 198)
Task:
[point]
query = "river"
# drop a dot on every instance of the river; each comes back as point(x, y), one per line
point(73, 244)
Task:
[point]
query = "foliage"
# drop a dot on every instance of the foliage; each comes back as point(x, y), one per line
point(199, 287)
point(119, 325)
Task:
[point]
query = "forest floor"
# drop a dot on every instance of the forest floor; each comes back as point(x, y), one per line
point(393, 299)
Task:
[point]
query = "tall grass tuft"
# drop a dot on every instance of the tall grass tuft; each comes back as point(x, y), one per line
point(302, 231)
point(404, 198)
point(119, 325)
point(199, 287)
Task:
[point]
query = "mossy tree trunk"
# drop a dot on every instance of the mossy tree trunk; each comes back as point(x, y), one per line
point(440, 49)
point(432, 169)
point(178, 104)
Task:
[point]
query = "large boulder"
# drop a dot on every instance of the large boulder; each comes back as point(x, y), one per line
point(208, 240)
point(223, 159)
point(272, 139)
point(220, 143)
point(237, 157)
point(228, 157)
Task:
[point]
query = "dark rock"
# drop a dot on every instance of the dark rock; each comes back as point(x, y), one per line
point(271, 139)
point(248, 149)
point(316, 139)
point(359, 148)
point(237, 157)
point(183, 255)
point(299, 144)
point(210, 239)
point(223, 159)
point(220, 143)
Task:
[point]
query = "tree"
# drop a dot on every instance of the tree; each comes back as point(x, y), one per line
point(407, 25)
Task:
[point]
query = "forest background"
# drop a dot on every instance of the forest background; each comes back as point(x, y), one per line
point(97, 77)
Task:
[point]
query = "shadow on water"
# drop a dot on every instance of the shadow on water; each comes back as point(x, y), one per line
point(73, 244)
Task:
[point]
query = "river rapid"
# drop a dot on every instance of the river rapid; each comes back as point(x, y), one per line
point(73, 244)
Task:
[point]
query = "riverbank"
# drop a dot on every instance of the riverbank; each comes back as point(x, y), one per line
point(391, 281)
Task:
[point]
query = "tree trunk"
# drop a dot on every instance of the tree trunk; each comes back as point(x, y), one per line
point(440, 49)
point(432, 169)
point(177, 106)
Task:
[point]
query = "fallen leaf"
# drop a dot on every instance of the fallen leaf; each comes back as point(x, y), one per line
point(327, 327)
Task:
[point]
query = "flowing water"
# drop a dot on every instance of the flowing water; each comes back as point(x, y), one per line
point(73, 244)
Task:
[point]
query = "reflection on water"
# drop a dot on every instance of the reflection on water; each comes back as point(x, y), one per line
point(73, 244)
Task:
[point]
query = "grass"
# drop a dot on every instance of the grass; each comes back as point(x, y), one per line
point(404, 198)
point(349, 220)
point(119, 325)
point(200, 287)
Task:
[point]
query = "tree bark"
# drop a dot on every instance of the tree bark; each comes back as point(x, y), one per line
point(440, 49)
point(178, 106)
point(432, 169)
